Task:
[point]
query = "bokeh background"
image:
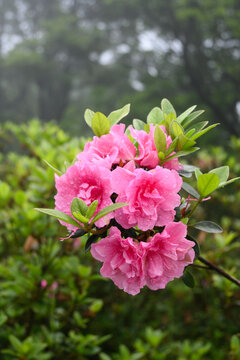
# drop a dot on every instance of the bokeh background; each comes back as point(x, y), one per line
point(57, 58)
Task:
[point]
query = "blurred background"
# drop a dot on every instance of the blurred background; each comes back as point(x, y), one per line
point(57, 58)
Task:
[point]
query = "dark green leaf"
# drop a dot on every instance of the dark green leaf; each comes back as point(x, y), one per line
point(78, 233)
point(190, 190)
point(208, 226)
point(91, 240)
point(188, 279)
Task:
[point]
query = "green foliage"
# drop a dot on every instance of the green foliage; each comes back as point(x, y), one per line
point(78, 315)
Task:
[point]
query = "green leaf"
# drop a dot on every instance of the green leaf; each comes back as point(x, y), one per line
point(182, 153)
point(115, 116)
point(191, 117)
point(208, 226)
point(107, 210)
point(202, 132)
point(189, 133)
point(53, 168)
point(91, 240)
point(199, 126)
point(190, 190)
point(184, 143)
point(100, 124)
point(197, 173)
point(155, 116)
point(188, 279)
point(175, 129)
point(172, 147)
point(78, 205)
point(196, 247)
point(92, 208)
point(88, 116)
point(229, 182)
point(147, 128)
point(3, 318)
point(59, 215)
point(167, 107)
point(15, 343)
point(183, 116)
point(138, 124)
point(207, 183)
point(222, 172)
point(160, 139)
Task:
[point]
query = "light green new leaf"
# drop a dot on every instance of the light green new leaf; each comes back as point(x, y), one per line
point(190, 118)
point(200, 133)
point(229, 182)
point(155, 116)
point(160, 139)
point(175, 129)
point(184, 143)
point(115, 116)
point(222, 172)
point(200, 125)
point(107, 210)
point(92, 208)
point(167, 107)
point(182, 153)
point(207, 183)
point(172, 146)
point(88, 115)
point(189, 133)
point(78, 205)
point(100, 124)
point(59, 215)
point(138, 124)
point(197, 173)
point(53, 168)
point(183, 116)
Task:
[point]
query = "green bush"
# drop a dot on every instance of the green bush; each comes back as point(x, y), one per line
point(54, 304)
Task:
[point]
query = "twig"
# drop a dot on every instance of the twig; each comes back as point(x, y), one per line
point(219, 270)
point(201, 266)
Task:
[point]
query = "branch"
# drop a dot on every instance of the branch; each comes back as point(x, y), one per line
point(219, 270)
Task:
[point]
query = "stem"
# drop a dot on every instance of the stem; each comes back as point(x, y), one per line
point(219, 270)
point(194, 207)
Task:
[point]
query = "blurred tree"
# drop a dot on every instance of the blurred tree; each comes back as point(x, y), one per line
point(64, 55)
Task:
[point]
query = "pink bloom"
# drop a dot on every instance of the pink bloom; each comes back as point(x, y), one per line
point(166, 255)
point(148, 155)
point(88, 182)
point(151, 195)
point(109, 148)
point(43, 283)
point(54, 285)
point(121, 261)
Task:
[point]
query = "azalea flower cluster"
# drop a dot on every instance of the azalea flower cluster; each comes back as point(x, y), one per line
point(110, 170)
point(123, 192)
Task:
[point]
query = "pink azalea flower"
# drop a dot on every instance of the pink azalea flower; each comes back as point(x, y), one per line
point(43, 283)
point(109, 149)
point(166, 255)
point(148, 155)
point(88, 182)
point(151, 195)
point(121, 261)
